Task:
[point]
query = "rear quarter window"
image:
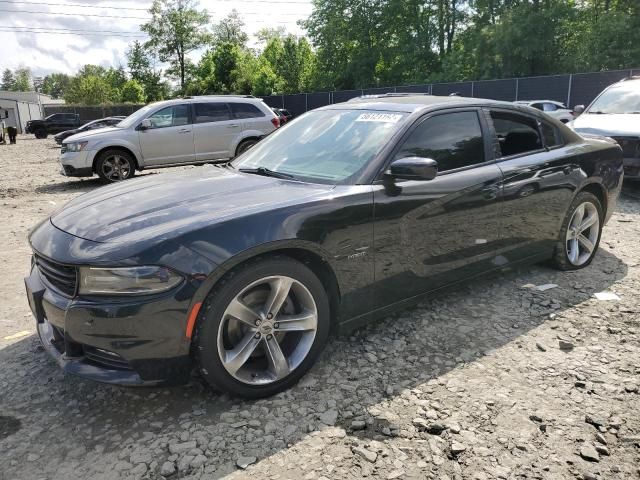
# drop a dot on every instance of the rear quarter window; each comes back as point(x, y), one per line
point(245, 110)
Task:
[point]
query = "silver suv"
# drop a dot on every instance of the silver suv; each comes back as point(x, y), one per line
point(170, 133)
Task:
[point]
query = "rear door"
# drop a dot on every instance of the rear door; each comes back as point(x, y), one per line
point(429, 234)
point(539, 177)
point(214, 131)
point(169, 140)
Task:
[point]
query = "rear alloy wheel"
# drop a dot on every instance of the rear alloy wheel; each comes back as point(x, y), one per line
point(262, 328)
point(244, 146)
point(580, 234)
point(115, 166)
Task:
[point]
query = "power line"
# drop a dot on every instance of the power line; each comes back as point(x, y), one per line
point(74, 14)
point(81, 5)
point(71, 29)
point(68, 33)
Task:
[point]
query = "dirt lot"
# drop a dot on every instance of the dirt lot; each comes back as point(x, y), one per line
point(473, 385)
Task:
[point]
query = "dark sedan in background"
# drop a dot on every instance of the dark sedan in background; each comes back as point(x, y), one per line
point(94, 125)
point(345, 214)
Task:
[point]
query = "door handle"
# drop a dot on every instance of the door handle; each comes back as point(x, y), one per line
point(184, 130)
point(233, 126)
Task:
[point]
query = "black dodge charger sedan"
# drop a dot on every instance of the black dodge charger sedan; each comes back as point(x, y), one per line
point(346, 213)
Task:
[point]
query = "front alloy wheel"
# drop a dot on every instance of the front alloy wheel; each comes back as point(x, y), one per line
point(115, 166)
point(262, 328)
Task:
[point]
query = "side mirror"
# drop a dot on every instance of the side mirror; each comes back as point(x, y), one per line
point(578, 109)
point(413, 168)
point(145, 124)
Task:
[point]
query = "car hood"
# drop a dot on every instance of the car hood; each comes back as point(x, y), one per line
point(163, 206)
point(90, 135)
point(608, 124)
point(66, 133)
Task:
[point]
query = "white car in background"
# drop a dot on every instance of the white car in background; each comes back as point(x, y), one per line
point(615, 113)
point(554, 109)
point(184, 131)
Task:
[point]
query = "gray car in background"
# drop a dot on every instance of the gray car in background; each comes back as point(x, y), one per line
point(183, 131)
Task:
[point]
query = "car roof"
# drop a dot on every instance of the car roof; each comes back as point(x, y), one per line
point(527, 102)
point(412, 103)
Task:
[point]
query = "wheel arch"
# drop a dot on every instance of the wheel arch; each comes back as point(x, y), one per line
point(599, 191)
point(305, 254)
point(114, 147)
point(251, 136)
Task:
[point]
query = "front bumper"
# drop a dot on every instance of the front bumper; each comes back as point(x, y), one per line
point(77, 164)
point(130, 342)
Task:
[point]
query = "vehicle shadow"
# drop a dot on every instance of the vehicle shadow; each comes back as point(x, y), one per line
point(79, 185)
point(376, 364)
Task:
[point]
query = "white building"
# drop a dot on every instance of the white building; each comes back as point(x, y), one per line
point(23, 106)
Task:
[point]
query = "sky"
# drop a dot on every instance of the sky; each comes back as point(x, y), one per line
point(26, 38)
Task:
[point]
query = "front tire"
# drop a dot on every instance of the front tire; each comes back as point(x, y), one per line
point(262, 328)
point(40, 133)
point(580, 233)
point(115, 166)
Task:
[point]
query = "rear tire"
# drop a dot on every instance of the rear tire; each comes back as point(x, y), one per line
point(245, 145)
point(264, 352)
point(580, 233)
point(115, 166)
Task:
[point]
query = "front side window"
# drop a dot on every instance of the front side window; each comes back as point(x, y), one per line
point(454, 140)
point(517, 134)
point(549, 107)
point(324, 146)
point(174, 116)
point(622, 98)
point(245, 110)
point(211, 112)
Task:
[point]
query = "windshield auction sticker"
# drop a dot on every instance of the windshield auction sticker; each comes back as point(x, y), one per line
point(379, 117)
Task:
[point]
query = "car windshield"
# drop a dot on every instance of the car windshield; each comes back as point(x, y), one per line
point(324, 146)
point(135, 117)
point(623, 98)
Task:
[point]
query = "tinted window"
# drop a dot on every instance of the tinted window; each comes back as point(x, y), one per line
point(551, 135)
point(539, 106)
point(245, 110)
point(212, 112)
point(516, 133)
point(453, 140)
point(70, 116)
point(170, 117)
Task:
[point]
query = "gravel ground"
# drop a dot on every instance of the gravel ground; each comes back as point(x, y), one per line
point(494, 380)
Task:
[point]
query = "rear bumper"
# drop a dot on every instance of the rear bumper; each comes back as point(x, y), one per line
point(135, 342)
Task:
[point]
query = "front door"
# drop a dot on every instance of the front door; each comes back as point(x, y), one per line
point(169, 139)
point(428, 234)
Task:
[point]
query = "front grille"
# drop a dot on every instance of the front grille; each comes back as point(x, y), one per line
point(61, 277)
point(630, 146)
point(104, 358)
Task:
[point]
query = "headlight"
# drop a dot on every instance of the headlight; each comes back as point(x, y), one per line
point(127, 281)
point(76, 147)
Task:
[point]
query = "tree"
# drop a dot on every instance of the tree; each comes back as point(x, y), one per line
point(55, 85)
point(176, 28)
point(141, 70)
point(230, 30)
point(8, 80)
point(23, 81)
point(132, 92)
